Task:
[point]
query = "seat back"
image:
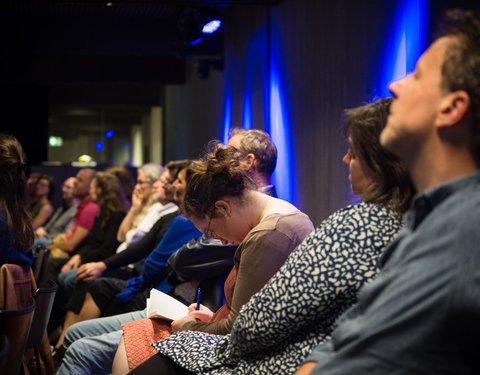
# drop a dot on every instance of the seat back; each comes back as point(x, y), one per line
point(44, 300)
point(4, 347)
point(17, 284)
point(15, 324)
point(40, 261)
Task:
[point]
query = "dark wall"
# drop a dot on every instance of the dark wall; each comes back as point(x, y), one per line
point(327, 55)
point(24, 111)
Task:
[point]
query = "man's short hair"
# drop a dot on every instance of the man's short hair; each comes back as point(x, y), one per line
point(258, 143)
point(461, 66)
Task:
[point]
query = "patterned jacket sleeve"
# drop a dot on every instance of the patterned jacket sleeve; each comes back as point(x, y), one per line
point(319, 281)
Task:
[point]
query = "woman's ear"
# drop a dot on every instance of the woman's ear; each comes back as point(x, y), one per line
point(223, 207)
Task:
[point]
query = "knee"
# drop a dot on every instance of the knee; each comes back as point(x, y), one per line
point(74, 359)
point(67, 279)
point(74, 333)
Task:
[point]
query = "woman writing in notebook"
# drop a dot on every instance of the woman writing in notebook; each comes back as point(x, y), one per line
point(222, 201)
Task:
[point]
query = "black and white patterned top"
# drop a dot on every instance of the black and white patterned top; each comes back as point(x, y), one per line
point(297, 308)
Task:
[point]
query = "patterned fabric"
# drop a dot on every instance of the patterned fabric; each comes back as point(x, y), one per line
point(296, 310)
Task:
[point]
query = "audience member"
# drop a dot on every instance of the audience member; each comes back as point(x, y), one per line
point(65, 244)
point(31, 188)
point(142, 200)
point(125, 177)
point(62, 219)
point(298, 307)
point(261, 154)
point(16, 232)
point(222, 201)
point(42, 209)
point(421, 314)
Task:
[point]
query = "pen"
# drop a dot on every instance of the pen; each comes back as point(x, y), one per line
point(199, 291)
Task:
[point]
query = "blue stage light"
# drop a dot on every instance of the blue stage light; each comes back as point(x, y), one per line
point(227, 118)
point(247, 122)
point(211, 27)
point(196, 41)
point(405, 43)
point(99, 146)
point(279, 125)
point(109, 134)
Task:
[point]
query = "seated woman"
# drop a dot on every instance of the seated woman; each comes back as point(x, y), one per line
point(279, 326)
point(42, 209)
point(222, 201)
point(142, 201)
point(16, 232)
point(125, 177)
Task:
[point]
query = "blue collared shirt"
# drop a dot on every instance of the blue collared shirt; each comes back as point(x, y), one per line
point(422, 313)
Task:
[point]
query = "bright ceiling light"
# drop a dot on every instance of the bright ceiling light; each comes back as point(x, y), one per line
point(211, 26)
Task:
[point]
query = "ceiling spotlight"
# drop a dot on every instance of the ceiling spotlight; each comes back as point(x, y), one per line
point(211, 26)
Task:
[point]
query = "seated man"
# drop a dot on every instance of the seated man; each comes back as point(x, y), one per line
point(64, 245)
point(421, 314)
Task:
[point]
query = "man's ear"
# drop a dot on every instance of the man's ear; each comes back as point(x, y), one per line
point(453, 109)
point(224, 207)
point(251, 160)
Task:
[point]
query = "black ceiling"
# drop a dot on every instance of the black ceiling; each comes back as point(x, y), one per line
point(45, 42)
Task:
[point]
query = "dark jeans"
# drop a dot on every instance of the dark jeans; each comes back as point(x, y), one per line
point(159, 364)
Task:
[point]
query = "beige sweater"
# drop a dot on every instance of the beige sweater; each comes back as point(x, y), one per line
point(260, 255)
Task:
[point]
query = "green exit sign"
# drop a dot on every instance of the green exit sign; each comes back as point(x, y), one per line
point(55, 141)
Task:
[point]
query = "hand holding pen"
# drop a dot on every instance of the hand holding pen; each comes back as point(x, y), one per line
point(198, 311)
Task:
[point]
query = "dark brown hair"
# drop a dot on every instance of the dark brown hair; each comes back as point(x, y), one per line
point(13, 191)
point(176, 166)
point(461, 65)
point(51, 185)
point(125, 177)
point(364, 125)
point(220, 173)
point(111, 198)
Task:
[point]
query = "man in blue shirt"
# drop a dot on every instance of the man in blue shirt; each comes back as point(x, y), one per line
point(421, 315)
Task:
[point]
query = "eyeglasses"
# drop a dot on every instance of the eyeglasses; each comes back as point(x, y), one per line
point(140, 182)
point(208, 233)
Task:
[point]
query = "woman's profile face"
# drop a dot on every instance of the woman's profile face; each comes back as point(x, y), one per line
point(42, 187)
point(179, 186)
point(362, 178)
point(143, 185)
